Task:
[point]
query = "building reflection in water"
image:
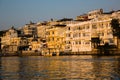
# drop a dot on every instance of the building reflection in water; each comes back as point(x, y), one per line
point(105, 68)
point(9, 68)
point(60, 67)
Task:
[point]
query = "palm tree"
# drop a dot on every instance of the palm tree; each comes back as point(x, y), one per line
point(115, 29)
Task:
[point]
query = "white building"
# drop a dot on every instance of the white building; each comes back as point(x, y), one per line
point(78, 37)
point(94, 13)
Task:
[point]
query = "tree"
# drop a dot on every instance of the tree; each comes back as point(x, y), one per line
point(115, 29)
point(95, 41)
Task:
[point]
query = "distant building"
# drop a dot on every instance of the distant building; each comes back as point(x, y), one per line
point(11, 33)
point(83, 17)
point(30, 29)
point(95, 13)
point(35, 46)
point(7, 40)
point(41, 30)
point(116, 14)
point(11, 42)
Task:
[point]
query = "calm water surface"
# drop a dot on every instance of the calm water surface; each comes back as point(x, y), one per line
point(60, 68)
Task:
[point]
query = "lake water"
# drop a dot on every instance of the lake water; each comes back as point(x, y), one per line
point(60, 68)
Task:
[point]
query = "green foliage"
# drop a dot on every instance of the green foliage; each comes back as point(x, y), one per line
point(115, 27)
point(95, 41)
point(2, 32)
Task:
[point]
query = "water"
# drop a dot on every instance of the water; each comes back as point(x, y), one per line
point(60, 68)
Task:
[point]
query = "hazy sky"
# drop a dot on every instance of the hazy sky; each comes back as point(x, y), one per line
point(20, 12)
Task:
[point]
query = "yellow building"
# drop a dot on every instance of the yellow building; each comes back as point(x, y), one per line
point(55, 38)
point(8, 38)
point(35, 46)
point(10, 41)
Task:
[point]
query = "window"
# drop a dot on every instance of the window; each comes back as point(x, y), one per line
point(47, 33)
point(94, 26)
point(57, 39)
point(68, 35)
point(69, 42)
point(79, 34)
point(87, 27)
point(109, 33)
point(68, 28)
point(53, 32)
point(73, 43)
point(67, 47)
point(79, 28)
point(75, 35)
point(53, 39)
point(79, 42)
point(83, 27)
point(111, 41)
point(84, 34)
point(87, 43)
point(76, 42)
point(20, 42)
point(101, 25)
point(101, 34)
point(48, 40)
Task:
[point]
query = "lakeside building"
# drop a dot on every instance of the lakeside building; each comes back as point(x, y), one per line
point(83, 17)
point(94, 13)
point(116, 14)
point(55, 38)
point(30, 29)
point(101, 27)
point(78, 37)
point(64, 35)
point(34, 45)
point(41, 29)
point(11, 42)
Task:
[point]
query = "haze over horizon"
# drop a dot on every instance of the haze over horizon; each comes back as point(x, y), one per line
point(20, 12)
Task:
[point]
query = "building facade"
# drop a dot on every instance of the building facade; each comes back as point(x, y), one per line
point(78, 37)
point(30, 29)
point(64, 35)
point(95, 13)
point(55, 38)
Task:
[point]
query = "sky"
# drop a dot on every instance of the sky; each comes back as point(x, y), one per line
point(17, 13)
